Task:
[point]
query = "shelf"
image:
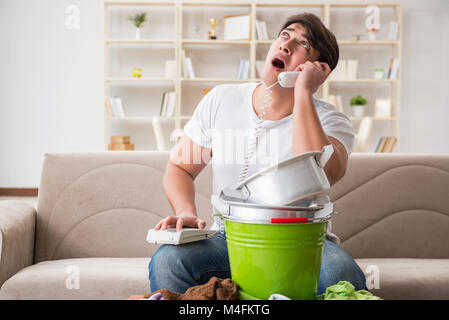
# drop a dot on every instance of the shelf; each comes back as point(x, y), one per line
point(363, 81)
point(364, 5)
point(146, 118)
point(123, 80)
point(290, 5)
point(214, 4)
point(131, 79)
point(367, 43)
point(374, 118)
point(264, 41)
point(213, 42)
point(138, 3)
point(145, 41)
point(348, 42)
point(214, 80)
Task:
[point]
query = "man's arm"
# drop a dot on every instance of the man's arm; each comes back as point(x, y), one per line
point(186, 162)
point(308, 134)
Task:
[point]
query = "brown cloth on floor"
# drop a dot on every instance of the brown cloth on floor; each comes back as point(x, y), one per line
point(214, 289)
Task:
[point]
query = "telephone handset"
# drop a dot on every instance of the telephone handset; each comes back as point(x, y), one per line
point(287, 79)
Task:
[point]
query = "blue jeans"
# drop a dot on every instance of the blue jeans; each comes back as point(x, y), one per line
point(178, 268)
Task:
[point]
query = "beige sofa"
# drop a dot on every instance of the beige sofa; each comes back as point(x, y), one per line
point(86, 238)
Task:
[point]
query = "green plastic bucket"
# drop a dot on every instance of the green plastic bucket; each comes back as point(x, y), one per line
point(282, 258)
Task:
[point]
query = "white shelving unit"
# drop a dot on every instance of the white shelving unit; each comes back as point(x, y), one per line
point(206, 54)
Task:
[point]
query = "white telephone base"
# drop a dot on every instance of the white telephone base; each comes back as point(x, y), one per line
point(186, 235)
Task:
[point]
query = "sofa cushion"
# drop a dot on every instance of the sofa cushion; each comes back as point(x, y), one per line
point(104, 205)
point(99, 278)
point(393, 205)
point(119, 278)
point(408, 278)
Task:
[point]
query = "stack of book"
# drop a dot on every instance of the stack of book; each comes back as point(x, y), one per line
point(120, 143)
point(243, 72)
point(386, 144)
point(114, 107)
point(261, 29)
point(168, 104)
point(187, 66)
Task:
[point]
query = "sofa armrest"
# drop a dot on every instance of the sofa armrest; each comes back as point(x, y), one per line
point(17, 229)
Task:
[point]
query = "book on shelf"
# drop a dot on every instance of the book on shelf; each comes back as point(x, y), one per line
point(159, 134)
point(171, 104)
point(190, 70)
point(116, 106)
point(108, 108)
point(239, 71)
point(184, 64)
point(363, 134)
point(258, 30)
point(121, 110)
point(386, 144)
point(351, 69)
point(261, 30)
point(243, 71)
point(259, 67)
point(264, 30)
point(168, 104)
point(381, 144)
point(393, 69)
point(393, 31)
point(390, 144)
point(163, 103)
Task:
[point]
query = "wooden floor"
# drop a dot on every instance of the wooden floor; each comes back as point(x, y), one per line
point(31, 200)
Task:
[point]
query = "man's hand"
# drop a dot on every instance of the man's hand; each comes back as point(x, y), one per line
point(183, 219)
point(312, 76)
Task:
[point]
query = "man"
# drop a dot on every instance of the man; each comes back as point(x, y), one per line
point(301, 123)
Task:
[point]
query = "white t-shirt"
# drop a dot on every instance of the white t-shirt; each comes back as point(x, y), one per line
point(224, 121)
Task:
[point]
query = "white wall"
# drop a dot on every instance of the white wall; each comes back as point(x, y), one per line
point(51, 85)
point(51, 90)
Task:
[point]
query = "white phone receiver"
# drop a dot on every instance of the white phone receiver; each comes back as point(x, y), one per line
point(287, 79)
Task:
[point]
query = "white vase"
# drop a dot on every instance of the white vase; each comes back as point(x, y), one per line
point(137, 33)
point(358, 110)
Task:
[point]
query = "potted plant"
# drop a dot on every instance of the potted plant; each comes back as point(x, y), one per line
point(358, 105)
point(138, 19)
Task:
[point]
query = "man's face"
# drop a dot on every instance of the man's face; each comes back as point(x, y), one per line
point(289, 50)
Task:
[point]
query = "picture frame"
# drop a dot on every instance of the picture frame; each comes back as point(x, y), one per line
point(382, 108)
point(237, 27)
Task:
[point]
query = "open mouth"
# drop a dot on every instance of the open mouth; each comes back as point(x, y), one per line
point(278, 63)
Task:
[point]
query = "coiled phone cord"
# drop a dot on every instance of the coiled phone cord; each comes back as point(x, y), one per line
point(252, 145)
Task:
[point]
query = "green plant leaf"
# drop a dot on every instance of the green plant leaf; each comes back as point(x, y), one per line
point(358, 100)
point(138, 19)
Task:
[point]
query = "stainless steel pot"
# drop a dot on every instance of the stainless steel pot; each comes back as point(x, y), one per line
point(298, 181)
point(262, 214)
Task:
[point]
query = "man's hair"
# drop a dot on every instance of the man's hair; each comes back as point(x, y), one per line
point(320, 37)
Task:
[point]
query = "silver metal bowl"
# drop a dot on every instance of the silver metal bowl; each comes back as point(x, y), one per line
point(299, 181)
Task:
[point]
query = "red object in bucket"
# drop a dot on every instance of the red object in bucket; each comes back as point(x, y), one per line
point(289, 220)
